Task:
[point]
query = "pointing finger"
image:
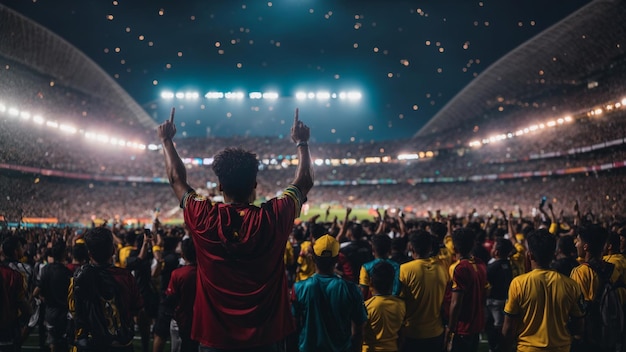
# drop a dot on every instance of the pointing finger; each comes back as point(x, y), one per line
point(172, 115)
point(295, 118)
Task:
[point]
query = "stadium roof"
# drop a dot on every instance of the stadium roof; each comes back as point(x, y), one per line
point(34, 46)
point(571, 53)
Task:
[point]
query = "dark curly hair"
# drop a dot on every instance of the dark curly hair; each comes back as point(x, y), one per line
point(99, 242)
point(236, 170)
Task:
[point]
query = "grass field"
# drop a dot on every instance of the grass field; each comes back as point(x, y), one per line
point(338, 211)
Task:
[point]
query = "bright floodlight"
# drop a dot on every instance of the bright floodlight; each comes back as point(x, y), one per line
point(3, 108)
point(38, 119)
point(234, 95)
point(354, 95)
point(623, 101)
point(180, 95)
point(14, 112)
point(52, 124)
point(25, 115)
point(191, 95)
point(322, 95)
point(67, 128)
point(270, 95)
point(214, 95)
point(153, 147)
point(412, 156)
point(255, 95)
point(343, 95)
point(311, 95)
point(300, 95)
point(167, 95)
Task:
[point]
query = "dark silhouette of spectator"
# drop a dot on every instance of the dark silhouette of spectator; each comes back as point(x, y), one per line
point(52, 288)
point(100, 282)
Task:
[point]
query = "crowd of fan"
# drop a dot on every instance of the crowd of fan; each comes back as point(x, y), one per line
point(384, 237)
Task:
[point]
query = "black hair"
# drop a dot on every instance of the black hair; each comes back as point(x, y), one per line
point(318, 230)
point(79, 253)
point(503, 246)
point(236, 170)
point(357, 231)
point(58, 251)
point(422, 242)
point(189, 250)
point(594, 236)
point(541, 244)
point(567, 246)
point(170, 243)
point(99, 242)
point(325, 264)
point(382, 277)
point(10, 245)
point(398, 244)
point(463, 240)
point(381, 244)
point(614, 241)
point(438, 229)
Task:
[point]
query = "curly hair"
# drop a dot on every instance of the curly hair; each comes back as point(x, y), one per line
point(236, 170)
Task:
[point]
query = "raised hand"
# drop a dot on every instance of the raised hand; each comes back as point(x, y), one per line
point(299, 131)
point(167, 129)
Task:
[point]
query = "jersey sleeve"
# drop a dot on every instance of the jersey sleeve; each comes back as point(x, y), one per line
point(461, 279)
point(364, 278)
point(512, 306)
point(286, 208)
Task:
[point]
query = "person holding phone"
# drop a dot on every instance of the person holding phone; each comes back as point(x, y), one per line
point(242, 300)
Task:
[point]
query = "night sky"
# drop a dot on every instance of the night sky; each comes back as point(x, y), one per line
point(408, 58)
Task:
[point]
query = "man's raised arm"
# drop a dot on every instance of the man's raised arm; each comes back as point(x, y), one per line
point(176, 172)
point(300, 134)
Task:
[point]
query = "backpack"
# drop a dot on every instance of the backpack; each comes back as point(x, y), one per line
point(98, 310)
point(605, 314)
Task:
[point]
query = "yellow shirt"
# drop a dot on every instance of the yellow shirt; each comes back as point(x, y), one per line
point(588, 280)
point(544, 300)
point(385, 315)
point(423, 286)
point(446, 257)
point(305, 262)
point(288, 256)
point(518, 260)
point(620, 264)
point(123, 255)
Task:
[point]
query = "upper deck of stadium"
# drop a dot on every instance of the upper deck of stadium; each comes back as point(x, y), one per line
point(567, 65)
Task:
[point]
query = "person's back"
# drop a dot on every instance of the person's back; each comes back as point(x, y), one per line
point(12, 303)
point(424, 283)
point(542, 302)
point(241, 298)
point(385, 312)
point(101, 294)
point(329, 310)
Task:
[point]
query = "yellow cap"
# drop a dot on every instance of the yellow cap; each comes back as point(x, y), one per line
point(326, 246)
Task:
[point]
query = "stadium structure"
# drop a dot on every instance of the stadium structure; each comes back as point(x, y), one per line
point(547, 119)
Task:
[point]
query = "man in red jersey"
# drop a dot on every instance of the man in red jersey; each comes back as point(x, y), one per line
point(241, 299)
point(469, 292)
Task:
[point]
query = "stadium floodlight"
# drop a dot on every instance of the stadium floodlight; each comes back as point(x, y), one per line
point(67, 128)
point(475, 143)
point(624, 102)
point(617, 105)
point(509, 135)
point(142, 146)
point(255, 95)
point(52, 124)
point(334, 95)
point(560, 121)
point(567, 118)
point(322, 95)
point(113, 141)
point(153, 147)
point(167, 95)
point(551, 123)
point(102, 138)
point(234, 95)
point(412, 156)
point(311, 95)
point(191, 95)
point(270, 95)
point(3, 108)
point(180, 95)
point(25, 115)
point(121, 142)
point(214, 95)
point(38, 119)
point(319, 162)
point(534, 128)
point(14, 112)
point(354, 95)
point(485, 141)
point(343, 95)
point(598, 111)
point(90, 135)
point(300, 95)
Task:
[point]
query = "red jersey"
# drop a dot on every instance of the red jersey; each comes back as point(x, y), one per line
point(183, 285)
point(470, 277)
point(241, 296)
point(13, 291)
